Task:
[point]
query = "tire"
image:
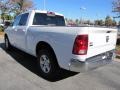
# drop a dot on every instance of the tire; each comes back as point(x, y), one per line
point(7, 43)
point(118, 41)
point(47, 64)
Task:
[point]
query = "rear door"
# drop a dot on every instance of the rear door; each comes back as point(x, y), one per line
point(101, 40)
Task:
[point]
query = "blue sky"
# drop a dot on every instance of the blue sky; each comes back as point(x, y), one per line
point(95, 9)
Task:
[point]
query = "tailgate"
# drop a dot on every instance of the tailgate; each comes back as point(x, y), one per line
point(101, 40)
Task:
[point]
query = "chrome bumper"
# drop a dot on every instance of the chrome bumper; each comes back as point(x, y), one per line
point(92, 63)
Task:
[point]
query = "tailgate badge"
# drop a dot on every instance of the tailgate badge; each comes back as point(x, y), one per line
point(107, 38)
point(91, 44)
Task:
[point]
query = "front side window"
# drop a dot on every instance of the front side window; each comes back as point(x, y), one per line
point(16, 21)
point(44, 19)
point(23, 19)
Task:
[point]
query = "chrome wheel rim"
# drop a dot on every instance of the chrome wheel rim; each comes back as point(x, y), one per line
point(45, 63)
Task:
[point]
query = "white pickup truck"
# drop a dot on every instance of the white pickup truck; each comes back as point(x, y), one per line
point(44, 35)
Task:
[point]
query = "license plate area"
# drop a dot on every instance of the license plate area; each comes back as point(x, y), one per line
point(101, 57)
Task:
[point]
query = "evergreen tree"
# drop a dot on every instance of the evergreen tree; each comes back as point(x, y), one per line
point(108, 21)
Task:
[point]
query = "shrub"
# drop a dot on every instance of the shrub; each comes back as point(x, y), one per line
point(1, 29)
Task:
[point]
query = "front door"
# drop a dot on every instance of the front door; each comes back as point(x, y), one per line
point(21, 32)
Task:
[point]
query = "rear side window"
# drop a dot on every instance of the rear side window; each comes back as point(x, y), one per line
point(44, 19)
point(23, 19)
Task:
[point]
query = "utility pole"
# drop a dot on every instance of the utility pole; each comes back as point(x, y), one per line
point(44, 4)
point(82, 9)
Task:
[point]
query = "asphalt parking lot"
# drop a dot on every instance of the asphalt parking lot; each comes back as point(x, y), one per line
point(18, 71)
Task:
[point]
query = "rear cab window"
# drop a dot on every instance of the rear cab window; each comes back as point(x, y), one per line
point(44, 19)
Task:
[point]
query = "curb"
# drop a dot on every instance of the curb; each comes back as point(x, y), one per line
point(117, 58)
point(118, 55)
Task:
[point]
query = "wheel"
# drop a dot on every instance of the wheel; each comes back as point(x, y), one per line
point(7, 43)
point(47, 64)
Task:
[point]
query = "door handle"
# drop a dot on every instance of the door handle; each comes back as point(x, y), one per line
point(24, 30)
point(15, 29)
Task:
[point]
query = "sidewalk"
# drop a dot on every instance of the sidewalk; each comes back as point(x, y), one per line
point(1, 36)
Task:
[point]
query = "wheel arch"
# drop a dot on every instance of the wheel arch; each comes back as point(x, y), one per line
point(44, 45)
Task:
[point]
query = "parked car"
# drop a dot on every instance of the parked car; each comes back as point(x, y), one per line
point(44, 35)
point(118, 35)
point(2, 25)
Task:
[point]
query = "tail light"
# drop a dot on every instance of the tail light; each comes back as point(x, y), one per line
point(80, 45)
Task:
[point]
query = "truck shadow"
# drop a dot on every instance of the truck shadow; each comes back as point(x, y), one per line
point(30, 63)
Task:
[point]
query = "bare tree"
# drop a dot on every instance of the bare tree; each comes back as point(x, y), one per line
point(20, 6)
point(116, 6)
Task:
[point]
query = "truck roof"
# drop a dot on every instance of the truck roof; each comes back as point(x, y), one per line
point(43, 11)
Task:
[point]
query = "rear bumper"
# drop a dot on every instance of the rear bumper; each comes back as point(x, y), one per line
point(92, 63)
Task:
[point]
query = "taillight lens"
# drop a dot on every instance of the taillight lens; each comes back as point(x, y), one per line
point(81, 45)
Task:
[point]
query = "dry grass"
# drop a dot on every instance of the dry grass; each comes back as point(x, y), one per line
point(118, 51)
point(118, 48)
point(1, 34)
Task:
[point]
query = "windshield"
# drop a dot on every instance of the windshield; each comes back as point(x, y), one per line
point(44, 19)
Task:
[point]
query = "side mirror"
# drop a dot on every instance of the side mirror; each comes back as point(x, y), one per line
point(7, 24)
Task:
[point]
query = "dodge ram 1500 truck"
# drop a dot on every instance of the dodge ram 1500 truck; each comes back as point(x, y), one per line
point(44, 35)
